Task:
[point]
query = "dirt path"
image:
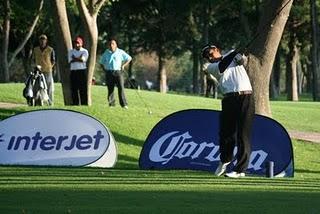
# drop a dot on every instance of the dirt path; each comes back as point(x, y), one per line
point(10, 105)
point(306, 136)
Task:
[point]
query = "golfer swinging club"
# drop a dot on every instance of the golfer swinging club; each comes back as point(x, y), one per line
point(237, 108)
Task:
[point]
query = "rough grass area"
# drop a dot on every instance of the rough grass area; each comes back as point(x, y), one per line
point(126, 189)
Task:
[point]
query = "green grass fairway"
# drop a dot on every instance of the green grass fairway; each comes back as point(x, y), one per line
point(126, 189)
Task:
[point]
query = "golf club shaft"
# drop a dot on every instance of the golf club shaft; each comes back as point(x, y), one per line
point(135, 89)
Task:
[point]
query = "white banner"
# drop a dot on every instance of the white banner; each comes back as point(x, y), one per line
point(56, 138)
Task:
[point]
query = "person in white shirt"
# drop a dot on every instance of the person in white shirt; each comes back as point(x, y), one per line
point(237, 108)
point(78, 57)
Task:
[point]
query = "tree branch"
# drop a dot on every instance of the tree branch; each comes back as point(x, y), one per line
point(95, 6)
point(28, 35)
point(98, 4)
point(82, 7)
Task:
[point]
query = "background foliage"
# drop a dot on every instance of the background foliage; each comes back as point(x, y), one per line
point(174, 29)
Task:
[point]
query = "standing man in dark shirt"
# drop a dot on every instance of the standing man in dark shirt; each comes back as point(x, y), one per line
point(237, 108)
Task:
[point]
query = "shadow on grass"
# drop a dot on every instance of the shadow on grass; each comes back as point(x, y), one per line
point(151, 200)
point(307, 171)
point(126, 162)
point(127, 140)
point(5, 113)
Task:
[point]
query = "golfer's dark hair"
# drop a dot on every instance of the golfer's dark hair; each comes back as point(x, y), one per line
point(205, 51)
point(112, 38)
point(206, 48)
point(217, 44)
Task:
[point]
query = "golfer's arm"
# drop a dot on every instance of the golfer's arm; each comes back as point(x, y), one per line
point(225, 62)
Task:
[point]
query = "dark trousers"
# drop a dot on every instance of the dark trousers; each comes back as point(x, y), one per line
point(115, 78)
point(235, 129)
point(79, 87)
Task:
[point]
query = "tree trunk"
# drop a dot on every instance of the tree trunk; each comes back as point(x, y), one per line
point(308, 75)
point(5, 42)
point(89, 19)
point(162, 75)
point(304, 76)
point(27, 58)
point(64, 44)
point(130, 43)
point(6, 28)
point(263, 49)
point(292, 59)
point(28, 35)
point(205, 39)
point(195, 73)
point(314, 51)
point(300, 76)
point(275, 77)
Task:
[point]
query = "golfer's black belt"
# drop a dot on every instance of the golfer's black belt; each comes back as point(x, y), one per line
point(113, 71)
point(238, 93)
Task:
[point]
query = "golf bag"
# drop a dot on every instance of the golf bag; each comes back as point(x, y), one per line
point(35, 91)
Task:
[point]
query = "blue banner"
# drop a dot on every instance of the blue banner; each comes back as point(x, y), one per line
point(189, 139)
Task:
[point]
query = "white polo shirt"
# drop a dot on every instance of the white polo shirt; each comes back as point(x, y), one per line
point(233, 79)
point(77, 53)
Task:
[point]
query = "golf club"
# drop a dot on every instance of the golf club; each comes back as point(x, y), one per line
point(135, 89)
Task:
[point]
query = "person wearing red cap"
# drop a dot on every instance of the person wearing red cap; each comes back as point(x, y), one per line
point(77, 58)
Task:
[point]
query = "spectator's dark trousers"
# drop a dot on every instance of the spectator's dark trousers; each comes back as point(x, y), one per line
point(115, 78)
point(210, 85)
point(79, 87)
point(235, 129)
